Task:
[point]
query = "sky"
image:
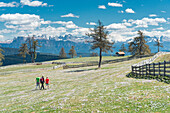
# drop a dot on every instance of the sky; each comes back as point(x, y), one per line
point(122, 18)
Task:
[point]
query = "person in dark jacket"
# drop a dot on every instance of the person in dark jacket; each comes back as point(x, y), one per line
point(42, 82)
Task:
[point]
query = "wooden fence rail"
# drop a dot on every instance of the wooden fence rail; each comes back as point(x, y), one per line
point(152, 70)
point(94, 63)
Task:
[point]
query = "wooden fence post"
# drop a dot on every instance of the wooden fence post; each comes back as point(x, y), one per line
point(154, 69)
point(149, 70)
point(159, 69)
point(146, 70)
point(132, 69)
point(136, 70)
point(164, 69)
point(140, 71)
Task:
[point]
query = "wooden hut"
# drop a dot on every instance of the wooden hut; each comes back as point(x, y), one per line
point(120, 53)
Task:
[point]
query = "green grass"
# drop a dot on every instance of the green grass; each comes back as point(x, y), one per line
point(86, 89)
point(85, 59)
point(31, 66)
point(163, 58)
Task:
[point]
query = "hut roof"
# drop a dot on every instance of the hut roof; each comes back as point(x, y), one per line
point(120, 53)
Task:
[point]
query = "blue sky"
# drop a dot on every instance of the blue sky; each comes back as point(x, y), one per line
point(123, 18)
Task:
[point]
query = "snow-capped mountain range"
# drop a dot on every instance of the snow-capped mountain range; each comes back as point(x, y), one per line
point(54, 44)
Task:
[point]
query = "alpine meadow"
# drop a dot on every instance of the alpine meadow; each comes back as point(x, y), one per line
point(91, 56)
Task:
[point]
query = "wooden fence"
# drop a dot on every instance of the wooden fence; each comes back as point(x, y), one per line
point(152, 70)
point(94, 63)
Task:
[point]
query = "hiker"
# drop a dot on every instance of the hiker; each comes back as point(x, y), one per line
point(37, 82)
point(42, 82)
point(47, 82)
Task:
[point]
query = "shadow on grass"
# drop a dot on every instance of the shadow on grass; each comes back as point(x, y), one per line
point(164, 79)
point(82, 70)
point(39, 89)
point(35, 89)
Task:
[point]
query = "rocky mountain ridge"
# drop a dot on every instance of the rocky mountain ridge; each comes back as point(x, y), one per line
point(54, 44)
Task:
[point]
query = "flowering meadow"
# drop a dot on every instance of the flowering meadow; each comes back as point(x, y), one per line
point(85, 89)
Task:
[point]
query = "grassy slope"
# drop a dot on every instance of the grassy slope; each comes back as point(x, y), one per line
point(163, 58)
point(84, 59)
point(82, 90)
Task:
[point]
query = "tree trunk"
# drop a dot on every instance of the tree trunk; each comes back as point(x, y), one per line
point(32, 58)
point(23, 60)
point(34, 54)
point(100, 59)
point(140, 51)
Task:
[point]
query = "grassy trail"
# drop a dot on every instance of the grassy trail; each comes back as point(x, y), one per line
point(82, 90)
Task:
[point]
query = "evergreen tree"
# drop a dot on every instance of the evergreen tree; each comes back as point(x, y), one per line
point(100, 40)
point(123, 48)
point(23, 51)
point(1, 56)
point(138, 45)
point(62, 53)
point(158, 44)
point(72, 52)
point(30, 49)
point(35, 46)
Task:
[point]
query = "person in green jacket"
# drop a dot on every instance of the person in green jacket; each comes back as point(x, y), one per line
point(38, 82)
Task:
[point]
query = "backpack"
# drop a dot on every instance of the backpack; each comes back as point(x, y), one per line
point(41, 80)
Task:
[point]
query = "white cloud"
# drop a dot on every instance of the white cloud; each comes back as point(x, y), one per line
point(32, 3)
point(128, 10)
point(70, 15)
point(91, 23)
point(127, 24)
point(121, 34)
point(11, 4)
point(120, 11)
point(21, 21)
point(72, 26)
point(25, 24)
point(51, 31)
point(158, 33)
point(15, 17)
point(127, 29)
point(102, 7)
point(80, 31)
point(147, 21)
point(7, 31)
point(160, 28)
point(124, 20)
point(116, 26)
point(68, 24)
point(46, 22)
point(10, 26)
point(152, 15)
point(1, 37)
point(115, 4)
point(163, 11)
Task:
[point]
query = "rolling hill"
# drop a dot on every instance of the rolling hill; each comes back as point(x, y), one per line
point(84, 89)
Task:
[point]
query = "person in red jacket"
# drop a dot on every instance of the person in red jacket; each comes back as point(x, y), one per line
point(47, 82)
